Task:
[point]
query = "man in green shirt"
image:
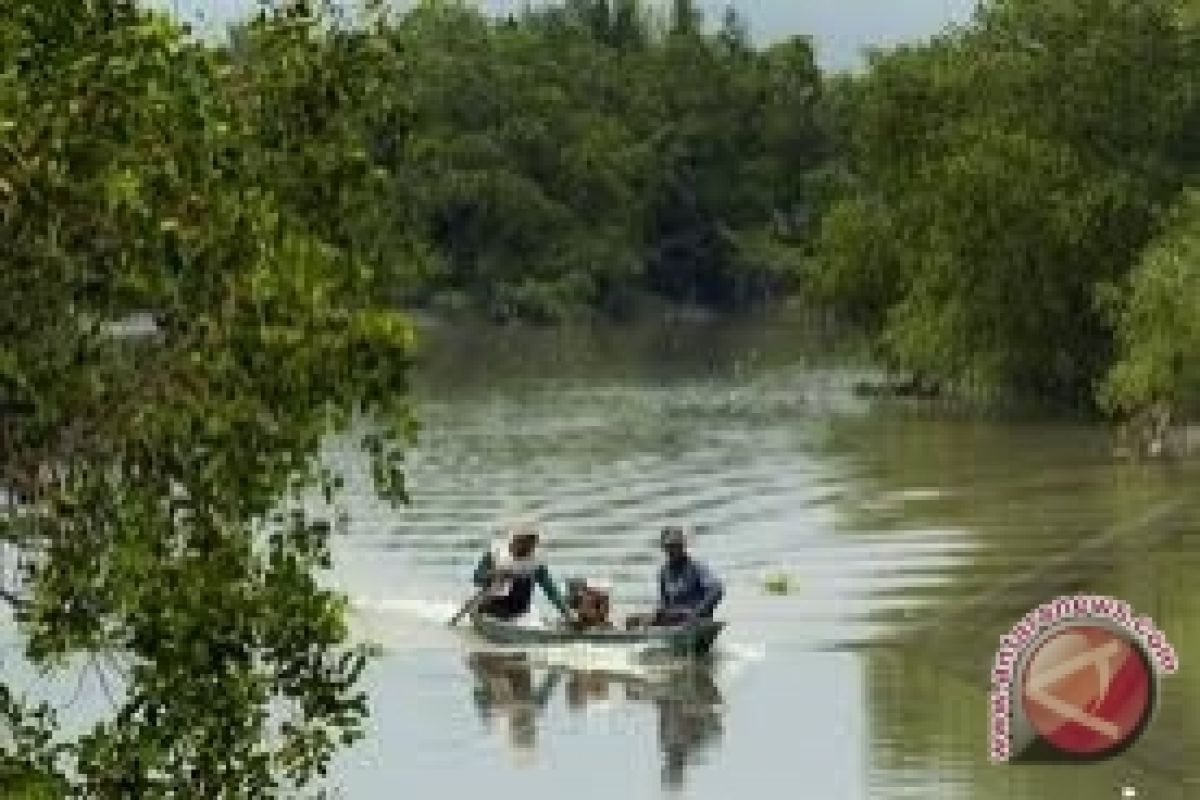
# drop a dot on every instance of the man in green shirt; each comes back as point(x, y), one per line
point(508, 572)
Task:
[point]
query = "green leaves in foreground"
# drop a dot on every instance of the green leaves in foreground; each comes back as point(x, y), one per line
point(132, 180)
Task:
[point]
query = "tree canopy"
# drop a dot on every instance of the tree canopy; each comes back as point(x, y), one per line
point(1001, 175)
point(133, 178)
point(578, 153)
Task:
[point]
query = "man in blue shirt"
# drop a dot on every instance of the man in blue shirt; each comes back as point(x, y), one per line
point(687, 589)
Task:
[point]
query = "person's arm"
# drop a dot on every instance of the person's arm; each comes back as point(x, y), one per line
point(483, 572)
point(713, 590)
point(546, 581)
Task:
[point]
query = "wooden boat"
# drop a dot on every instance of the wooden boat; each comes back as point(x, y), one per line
point(694, 639)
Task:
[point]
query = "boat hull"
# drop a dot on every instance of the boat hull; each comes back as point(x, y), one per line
point(695, 639)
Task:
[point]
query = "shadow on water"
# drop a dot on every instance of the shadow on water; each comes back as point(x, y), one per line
point(510, 689)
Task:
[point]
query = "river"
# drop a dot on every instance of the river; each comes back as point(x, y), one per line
point(910, 539)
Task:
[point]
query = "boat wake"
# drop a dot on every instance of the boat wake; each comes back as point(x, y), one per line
point(398, 623)
point(415, 609)
point(733, 658)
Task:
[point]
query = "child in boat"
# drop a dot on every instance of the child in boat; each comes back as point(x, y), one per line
point(508, 572)
point(589, 600)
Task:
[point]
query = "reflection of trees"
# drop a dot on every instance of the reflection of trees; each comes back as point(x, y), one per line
point(929, 735)
point(686, 698)
point(660, 348)
point(1017, 493)
point(1046, 512)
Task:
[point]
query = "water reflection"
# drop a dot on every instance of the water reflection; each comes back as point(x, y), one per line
point(504, 687)
point(689, 718)
point(686, 700)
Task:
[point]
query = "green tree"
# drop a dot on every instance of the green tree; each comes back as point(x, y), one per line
point(268, 202)
point(321, 101)
point(686, 19)
point(580, 153)
point(526, 185)
point(150, 469)
point(1156, 378)
point(731, 130)
point(999, 175)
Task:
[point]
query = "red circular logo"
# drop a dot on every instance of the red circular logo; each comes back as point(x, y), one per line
point(1087, 690)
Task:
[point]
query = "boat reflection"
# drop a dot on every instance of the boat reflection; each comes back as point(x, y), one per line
point(686, 698)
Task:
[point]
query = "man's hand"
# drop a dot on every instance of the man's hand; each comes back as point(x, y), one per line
point(638, 621)
point(498, 581)
point(676, 617)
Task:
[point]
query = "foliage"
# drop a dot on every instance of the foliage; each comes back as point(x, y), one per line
point(1000, 173)
point(132, 179)
point(1158, 322)
point(268, 201)
point(322, 106)
point(580, 153)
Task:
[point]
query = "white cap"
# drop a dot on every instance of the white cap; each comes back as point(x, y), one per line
point(515, 529)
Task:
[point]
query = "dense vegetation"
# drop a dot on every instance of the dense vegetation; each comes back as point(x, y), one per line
point(590, 152)
point(979, 203)
point(1008, 209)
point(133, 176)
point(1007, 182)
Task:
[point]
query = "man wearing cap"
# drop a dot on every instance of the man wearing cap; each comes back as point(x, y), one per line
point(687, 589)
point(507, 574)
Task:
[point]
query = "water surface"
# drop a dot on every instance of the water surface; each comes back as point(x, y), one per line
point(912, 539)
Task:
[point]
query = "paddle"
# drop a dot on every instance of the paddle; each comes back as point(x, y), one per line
point(468, 607)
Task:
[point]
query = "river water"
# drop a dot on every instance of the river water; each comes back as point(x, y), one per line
point(910, 539)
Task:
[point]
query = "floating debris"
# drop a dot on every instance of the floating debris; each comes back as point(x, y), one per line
point(778, 584)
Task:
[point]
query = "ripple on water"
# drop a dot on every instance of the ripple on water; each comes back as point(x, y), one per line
point(882, 521)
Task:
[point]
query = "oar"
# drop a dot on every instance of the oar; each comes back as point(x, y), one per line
point(468, 607)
